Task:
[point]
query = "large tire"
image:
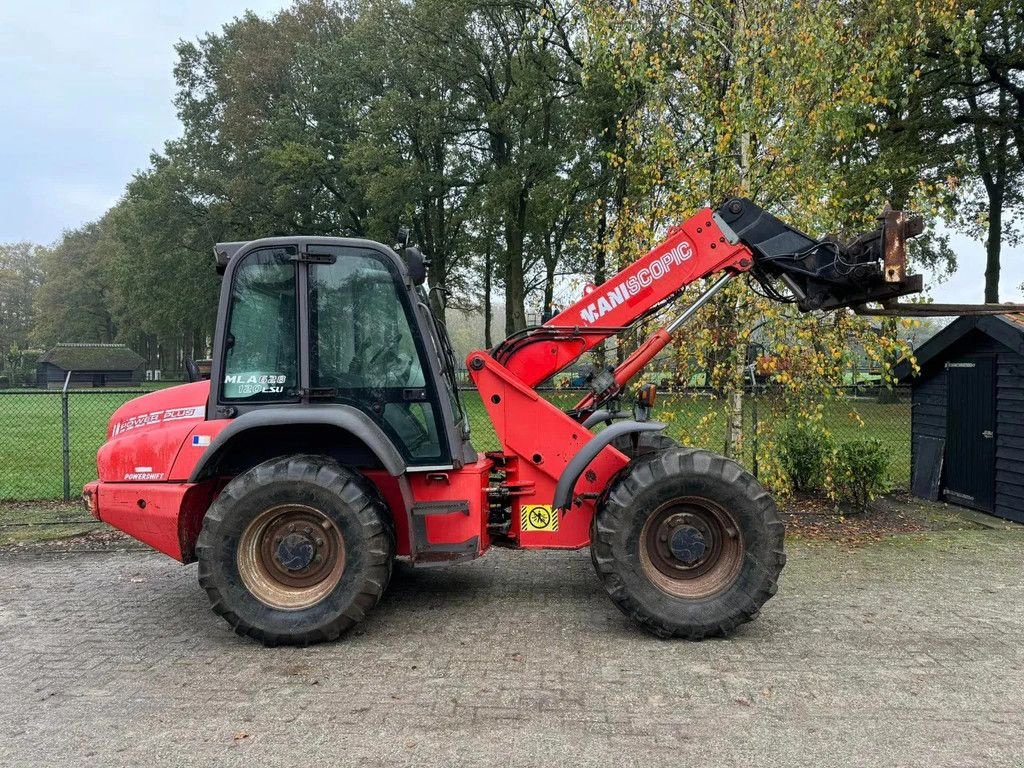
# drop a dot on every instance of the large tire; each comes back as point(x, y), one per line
point(687, 543)
point(635, 445)
point(643, 443)
point(296, 551)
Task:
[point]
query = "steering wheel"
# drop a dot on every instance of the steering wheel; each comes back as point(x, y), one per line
point(393, 365)
point(192, 370)
point(386, 348)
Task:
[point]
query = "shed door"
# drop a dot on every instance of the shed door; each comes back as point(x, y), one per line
point(970, 432)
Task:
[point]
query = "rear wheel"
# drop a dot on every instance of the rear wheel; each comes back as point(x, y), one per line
point(688, 543)
point(295, 551)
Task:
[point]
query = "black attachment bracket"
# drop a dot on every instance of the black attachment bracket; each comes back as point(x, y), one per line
point(825, 274)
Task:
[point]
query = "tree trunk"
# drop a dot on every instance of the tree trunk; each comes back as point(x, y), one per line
point(515, 279)
point(734, 426)
point(437, 302)
point(600, 267)
point(734, 446)
point(549, 288)
point(993, 167)
point(435, 243)
point(993, 245)
point(488, 270)
point(734, 423)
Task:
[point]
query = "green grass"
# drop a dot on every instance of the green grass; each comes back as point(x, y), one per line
point(30, 433)
point(31, 444)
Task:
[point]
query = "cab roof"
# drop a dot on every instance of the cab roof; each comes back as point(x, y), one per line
point(224, 252)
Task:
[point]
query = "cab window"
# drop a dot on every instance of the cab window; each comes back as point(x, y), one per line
point(365, 349)
point(261, 349)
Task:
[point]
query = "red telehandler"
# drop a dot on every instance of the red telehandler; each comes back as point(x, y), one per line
point(331, 438)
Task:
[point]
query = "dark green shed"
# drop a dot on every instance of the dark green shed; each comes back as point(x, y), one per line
point(968, 415)
point(90, 365)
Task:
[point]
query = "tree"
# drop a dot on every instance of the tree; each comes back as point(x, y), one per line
point(987, 89)
point(161, 268)
point(356, 118)
point(73, 300)
point(414, 155)
point(460, 120)
point(20, 275)
point(774, 101)
point(268, 108)
point(953, 124)
point(521, 82)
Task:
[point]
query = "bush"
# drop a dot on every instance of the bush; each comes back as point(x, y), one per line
point(860, 472)
point(804, 452)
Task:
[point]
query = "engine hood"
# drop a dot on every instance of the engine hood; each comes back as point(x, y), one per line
point(174, 404)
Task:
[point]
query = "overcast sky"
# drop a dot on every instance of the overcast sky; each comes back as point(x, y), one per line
point(86, 94)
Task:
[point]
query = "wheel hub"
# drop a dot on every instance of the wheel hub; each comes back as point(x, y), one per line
point(295, 551)
point(291, 556)
point(688, 544)
point(691, 547)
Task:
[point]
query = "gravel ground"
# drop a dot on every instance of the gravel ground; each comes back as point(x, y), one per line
point(907, 652)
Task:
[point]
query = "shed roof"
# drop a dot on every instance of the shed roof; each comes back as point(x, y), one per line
point(1006, 329)
point(1017, 320)
point(93, 357)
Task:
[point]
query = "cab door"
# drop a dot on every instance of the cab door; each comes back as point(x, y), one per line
point(366, 350)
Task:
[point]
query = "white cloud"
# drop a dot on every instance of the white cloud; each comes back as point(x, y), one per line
point(86, 95)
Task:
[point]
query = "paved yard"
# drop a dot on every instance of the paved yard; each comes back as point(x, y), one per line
point(907, 653)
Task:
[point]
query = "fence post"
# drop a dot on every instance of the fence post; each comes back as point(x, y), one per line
point(65, 429)
point(753, 427)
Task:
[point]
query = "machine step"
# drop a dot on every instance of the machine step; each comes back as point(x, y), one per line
point(433, 555)
point(427, 554)
point(446, 507)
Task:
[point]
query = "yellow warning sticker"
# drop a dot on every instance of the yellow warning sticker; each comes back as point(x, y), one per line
point(538, 517)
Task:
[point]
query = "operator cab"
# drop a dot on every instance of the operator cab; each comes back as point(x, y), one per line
point(314, 321)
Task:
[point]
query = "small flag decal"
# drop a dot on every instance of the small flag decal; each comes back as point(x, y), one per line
point(200, 440)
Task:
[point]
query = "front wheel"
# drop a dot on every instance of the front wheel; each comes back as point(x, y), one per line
point(295, 551)
point(640, 444)
point(688, 543)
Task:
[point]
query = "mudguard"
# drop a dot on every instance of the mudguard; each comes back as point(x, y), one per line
point(343, 416)
point(567, 482)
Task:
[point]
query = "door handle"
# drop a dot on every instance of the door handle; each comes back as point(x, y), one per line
point(988, 434)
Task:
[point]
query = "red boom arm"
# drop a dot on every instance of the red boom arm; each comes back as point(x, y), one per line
point(693, 250)
point(538, 439)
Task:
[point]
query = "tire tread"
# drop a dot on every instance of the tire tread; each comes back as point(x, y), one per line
point(355, 490)
point(615, 512)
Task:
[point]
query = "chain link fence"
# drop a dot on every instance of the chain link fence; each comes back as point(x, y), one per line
point(49, 439)
point(699, 418)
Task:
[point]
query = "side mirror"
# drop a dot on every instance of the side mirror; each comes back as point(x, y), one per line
point(417, 264)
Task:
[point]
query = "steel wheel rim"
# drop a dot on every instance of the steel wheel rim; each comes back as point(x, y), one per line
point(691, 547)
point(291, 556)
